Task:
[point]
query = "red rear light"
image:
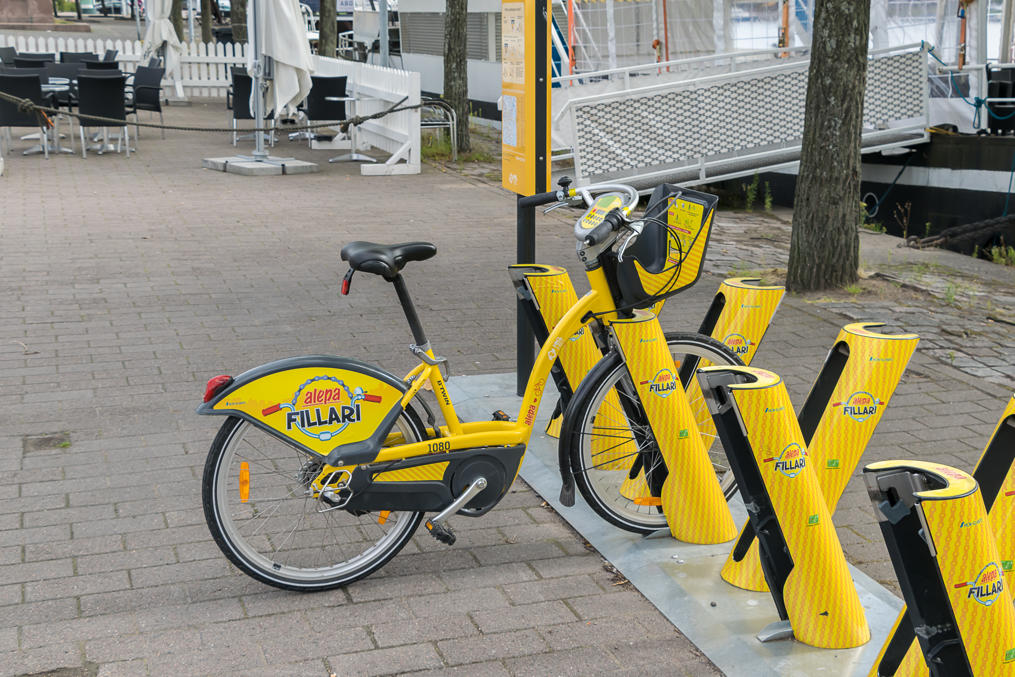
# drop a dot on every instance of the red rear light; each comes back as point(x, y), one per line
point(346, 281)
point(215, 385)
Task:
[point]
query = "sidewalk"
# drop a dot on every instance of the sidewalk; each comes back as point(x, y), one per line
point(133, 281)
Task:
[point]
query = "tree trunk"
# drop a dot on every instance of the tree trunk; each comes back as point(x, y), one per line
point(176, 16)
point(456, 84)
point(206, 16)
point(825, 245)
point(77, 8)
point(55, 12)
point(328, 40)
point(238, 19)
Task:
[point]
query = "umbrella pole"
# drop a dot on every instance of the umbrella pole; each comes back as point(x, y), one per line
point(257, 73)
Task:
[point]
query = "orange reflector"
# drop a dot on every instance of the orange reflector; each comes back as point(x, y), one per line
point(648, 500)
point(382, 516)
point(244, 482)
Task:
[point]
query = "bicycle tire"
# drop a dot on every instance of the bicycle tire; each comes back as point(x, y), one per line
point(602, 485)
point(288, 523)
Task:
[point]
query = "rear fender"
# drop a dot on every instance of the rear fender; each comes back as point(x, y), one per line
point(321, 403)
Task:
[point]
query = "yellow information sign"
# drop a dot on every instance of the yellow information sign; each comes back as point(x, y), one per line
point(525, 101)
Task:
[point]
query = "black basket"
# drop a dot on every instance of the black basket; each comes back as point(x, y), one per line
point(669, 253)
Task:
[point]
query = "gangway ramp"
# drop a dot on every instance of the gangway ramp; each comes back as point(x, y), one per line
point(705, 129)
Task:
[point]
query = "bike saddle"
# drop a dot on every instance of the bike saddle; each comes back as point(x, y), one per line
point(385, 259)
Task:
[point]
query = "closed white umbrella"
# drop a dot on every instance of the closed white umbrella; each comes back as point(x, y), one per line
point(160, 31)
point(283, 41)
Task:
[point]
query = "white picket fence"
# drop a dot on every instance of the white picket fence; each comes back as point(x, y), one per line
point(204, 65)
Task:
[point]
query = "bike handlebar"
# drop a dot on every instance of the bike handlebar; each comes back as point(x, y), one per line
point(611, 223)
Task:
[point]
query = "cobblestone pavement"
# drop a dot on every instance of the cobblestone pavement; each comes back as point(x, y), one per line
point(127, 283)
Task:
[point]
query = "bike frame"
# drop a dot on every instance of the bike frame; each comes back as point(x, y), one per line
point(457, 435)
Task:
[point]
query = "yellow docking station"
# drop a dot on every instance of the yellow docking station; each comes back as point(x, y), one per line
point(800, 555)
point(901, 656)
point(944, 552)
point(692, 499)
point(838, 418)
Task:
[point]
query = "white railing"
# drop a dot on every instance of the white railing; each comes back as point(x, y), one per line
point(204, 69)
point(376, 89)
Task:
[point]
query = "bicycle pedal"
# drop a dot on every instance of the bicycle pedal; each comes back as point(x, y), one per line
point(500, 416)
point(442, 532)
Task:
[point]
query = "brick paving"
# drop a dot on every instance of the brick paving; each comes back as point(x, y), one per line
point(127, 283)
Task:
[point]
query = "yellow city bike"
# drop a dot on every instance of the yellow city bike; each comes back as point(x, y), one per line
point(323, 469)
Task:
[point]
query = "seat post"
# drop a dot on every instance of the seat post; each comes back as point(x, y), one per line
point(410, 311)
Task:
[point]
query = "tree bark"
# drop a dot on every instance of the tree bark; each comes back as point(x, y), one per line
point(206, 16)
point(77, 8)
point(327, 42)
point(238, 20)
point(456, 83)
point(176, 16)
point(825, 245)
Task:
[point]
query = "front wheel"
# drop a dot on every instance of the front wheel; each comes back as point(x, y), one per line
point(615, 463)
point(264, 518)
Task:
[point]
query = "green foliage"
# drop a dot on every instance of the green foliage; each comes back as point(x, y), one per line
point(1002, 255)
point(768, 196)
point(751, 192)
point(950, 293)
point(853, 289)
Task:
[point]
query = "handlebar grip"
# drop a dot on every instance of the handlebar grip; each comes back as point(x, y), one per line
point(609, 225)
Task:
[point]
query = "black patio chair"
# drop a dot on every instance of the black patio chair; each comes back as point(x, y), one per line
point(102, 96)
point(38, 69)
point(76, 57)
point(68, 71)
point(238, 98)
point(318, 109)
point(41, 56)
point(147, 95)
point(97, 65)
point(7, 55)
point(25, 86)
point(110, 55)
point(22, 61)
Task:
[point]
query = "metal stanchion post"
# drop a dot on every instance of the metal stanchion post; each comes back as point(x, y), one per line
point(526, 253)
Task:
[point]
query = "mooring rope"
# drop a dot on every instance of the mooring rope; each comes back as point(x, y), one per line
point(43, 113)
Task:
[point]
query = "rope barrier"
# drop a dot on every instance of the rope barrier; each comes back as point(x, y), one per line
point(43, 112)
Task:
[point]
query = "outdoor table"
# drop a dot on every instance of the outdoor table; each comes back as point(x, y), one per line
point(352, 155)
point(54, 86)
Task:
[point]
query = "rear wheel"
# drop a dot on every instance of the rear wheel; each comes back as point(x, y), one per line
point(278, 533)
point(609, 436)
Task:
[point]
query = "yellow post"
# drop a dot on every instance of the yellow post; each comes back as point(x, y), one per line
point(995, 473)
point(800, 553)
point(944, 552)
point(740, 314)
point(692, 500)
point(845, 404)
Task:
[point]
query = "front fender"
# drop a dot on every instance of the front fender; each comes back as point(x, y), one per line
point(317, 402)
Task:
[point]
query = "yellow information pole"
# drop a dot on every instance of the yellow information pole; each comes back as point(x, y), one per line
point(995, 473)
point(945, 555)
point(525, 91)
point(525, 137)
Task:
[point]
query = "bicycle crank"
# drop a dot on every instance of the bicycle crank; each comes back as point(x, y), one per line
point(437, 527)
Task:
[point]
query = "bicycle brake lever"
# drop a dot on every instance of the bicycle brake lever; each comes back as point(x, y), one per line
point(557, 205)
point(636, 229)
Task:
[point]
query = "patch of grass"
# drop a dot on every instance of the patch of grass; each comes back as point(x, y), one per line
point(873, 226)
point(768, 197)
point(853, 289)
point(63, 445)
point(950, 293)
